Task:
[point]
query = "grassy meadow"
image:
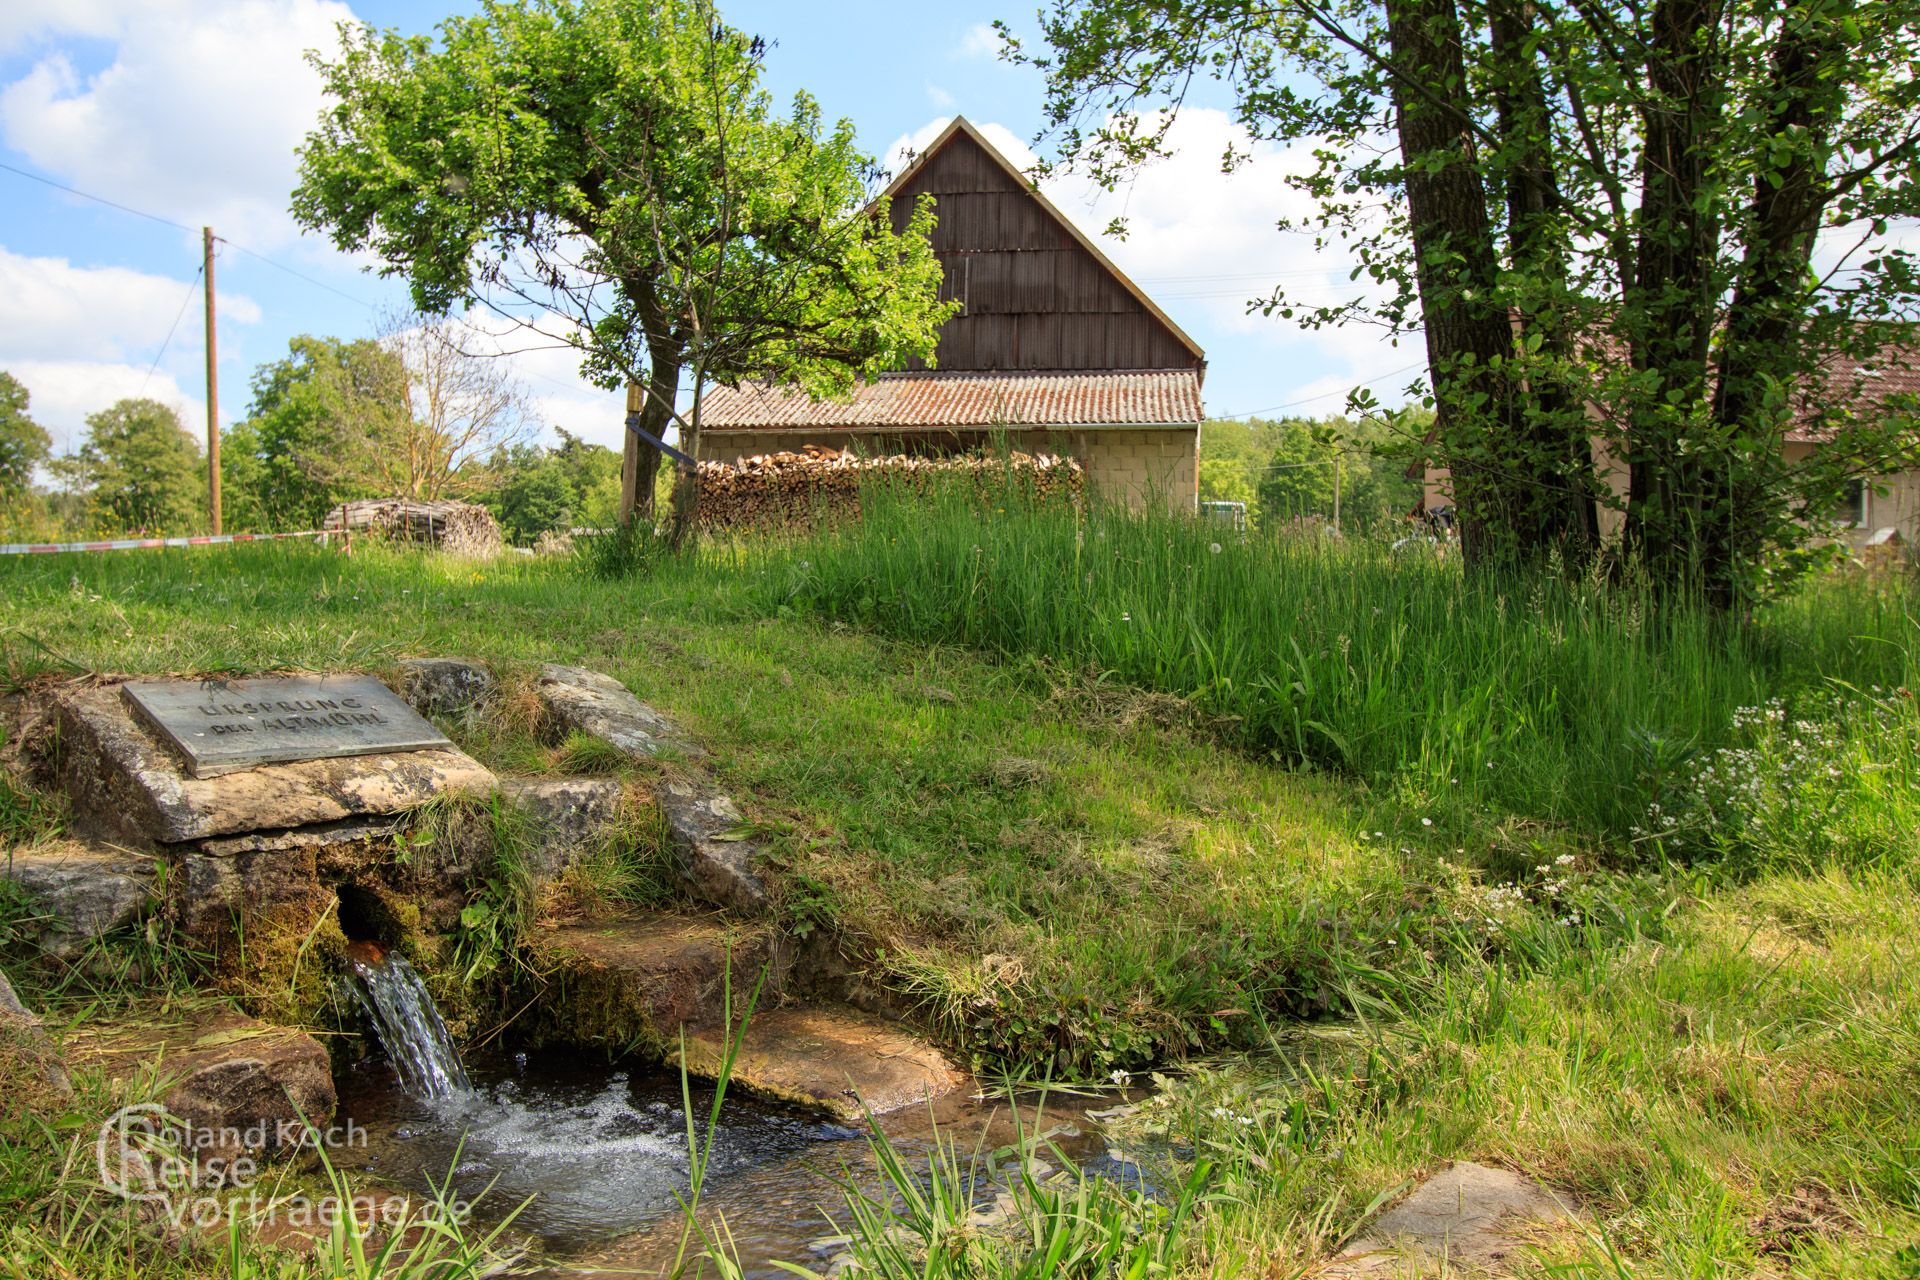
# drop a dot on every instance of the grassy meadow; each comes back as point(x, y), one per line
point(1373, 867)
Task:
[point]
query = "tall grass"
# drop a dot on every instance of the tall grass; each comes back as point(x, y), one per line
point(1570, 701)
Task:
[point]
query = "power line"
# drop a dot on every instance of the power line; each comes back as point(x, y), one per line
point(281, 266)
point(86, 195)
point(1325, 395)
point(181, 226)
point(173, 329)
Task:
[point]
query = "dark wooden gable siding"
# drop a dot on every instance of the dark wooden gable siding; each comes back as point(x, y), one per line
point(1034, 298)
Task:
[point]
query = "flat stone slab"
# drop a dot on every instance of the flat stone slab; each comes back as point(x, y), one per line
point(1467, 1216)
point(582, 701)
point(79, 892)
point(831, 1058)
point(223, 726)
point(128, 785)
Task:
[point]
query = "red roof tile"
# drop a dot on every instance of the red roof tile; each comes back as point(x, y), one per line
point(933, 399)
point(1869, 384)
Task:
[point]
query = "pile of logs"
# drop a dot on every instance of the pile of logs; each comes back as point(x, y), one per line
point(458, 527)
point(821, 485)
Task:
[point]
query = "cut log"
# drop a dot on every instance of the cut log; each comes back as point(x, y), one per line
point(821, 486)
point(459, 527)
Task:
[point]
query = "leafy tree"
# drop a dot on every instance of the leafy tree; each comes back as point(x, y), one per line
point(1595, 207)
point(464, 404)
point(1224, 480)
point(24, 443)
point(530, 494)
point(141, 470)
point(532, 490)
point(320, 420)
point(616, 163)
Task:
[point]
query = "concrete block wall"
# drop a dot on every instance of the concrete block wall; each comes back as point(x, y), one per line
point(1137, 467)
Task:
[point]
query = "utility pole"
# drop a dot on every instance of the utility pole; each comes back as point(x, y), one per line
point(213, 387)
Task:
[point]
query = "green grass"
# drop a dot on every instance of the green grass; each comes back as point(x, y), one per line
point(1564, 701)
point(1050, 791)
point(1061, 875)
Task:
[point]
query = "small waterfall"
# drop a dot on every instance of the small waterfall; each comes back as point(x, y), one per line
point(416, 1038)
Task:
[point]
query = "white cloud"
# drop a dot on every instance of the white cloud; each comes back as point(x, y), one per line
point(64, 392)
point(196, 117)
point(980, 41)
point(56, 310)
point(549, 369)
point(80, 338)
point(940, 98)
point(23, 21)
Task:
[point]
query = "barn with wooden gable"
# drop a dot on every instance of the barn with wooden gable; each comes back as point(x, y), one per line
point(1053, 346)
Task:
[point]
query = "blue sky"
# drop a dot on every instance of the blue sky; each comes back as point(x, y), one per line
point(190, 110)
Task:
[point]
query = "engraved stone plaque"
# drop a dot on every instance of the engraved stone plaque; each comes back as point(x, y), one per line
point(223, 726)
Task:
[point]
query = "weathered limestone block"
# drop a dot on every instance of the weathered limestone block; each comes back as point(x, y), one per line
point(24, 1047)
point(628, 984)
point(704, 825)
point(217, 897)
point(444, 686)
point(1467, 1218)
point(704, 828)
point(641, 984)
point(567, 817)
point(241, 1084)
point(127, 786)
point(80, 891)
point(578, 700)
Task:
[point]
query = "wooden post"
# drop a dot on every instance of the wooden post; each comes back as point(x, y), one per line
point(630, 456)
point(213, 388)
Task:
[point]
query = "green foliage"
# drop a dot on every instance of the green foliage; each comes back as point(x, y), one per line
point(533, 490)
point(1595, 210)
point(621, 164)
point(318, 418)
point(622, 551)
point(500, 910)
point(141, 471)
point(1284, 469)
point(1828, 777)
point(24, 443)
point(1519, 694)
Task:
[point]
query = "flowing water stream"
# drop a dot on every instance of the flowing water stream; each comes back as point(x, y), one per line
point(598, 1156)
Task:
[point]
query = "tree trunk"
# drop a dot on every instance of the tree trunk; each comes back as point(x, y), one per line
point(686, 477)
point(640, 461)
point(1670, 304)
point(1560, 434)
point(1466, 327)
point(1766, 337)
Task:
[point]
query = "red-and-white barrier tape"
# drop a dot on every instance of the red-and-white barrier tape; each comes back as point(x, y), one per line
point(135, 544)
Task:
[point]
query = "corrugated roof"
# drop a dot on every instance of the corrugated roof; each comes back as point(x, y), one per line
point(933, 399)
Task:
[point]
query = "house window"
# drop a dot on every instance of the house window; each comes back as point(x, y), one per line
point(1852, 511)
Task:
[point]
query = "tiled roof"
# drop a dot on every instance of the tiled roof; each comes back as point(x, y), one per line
point(1868, 383)
point(934, 399)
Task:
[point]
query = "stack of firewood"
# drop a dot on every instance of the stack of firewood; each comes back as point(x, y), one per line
point(459, 527)
point(773, 490)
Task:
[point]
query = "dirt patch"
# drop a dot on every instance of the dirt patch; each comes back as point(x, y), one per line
point(1809, 1213)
